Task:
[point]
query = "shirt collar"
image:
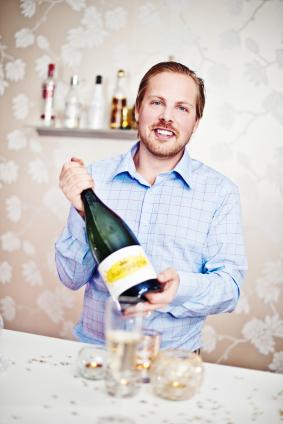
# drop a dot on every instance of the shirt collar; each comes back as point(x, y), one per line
point(127, 165)
point(184, 168)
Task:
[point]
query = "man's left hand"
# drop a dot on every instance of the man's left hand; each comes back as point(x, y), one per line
point(170, 281)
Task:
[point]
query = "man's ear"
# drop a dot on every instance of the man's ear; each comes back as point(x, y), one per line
point(136, 114)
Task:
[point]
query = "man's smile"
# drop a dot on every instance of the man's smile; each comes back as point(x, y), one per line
point(164, 133)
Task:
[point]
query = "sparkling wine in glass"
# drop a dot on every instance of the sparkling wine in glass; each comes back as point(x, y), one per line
point(123, 334)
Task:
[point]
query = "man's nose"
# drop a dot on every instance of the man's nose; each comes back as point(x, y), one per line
point(167, 114)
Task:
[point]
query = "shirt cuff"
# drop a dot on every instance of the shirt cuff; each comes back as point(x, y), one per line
point(189, 284)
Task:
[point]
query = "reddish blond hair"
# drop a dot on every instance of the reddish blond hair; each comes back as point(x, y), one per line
point(178, 68)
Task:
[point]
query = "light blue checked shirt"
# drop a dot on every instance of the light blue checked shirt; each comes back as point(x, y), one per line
point(189, 219)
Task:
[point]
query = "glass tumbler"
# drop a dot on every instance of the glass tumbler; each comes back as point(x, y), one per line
point(148, 349)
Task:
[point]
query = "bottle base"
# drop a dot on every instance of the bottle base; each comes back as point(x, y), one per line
point(138, 292)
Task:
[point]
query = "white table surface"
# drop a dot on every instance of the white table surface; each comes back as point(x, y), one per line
point(40, 386)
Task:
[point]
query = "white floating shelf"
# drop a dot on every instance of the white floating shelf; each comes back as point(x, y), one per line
point(88, 133)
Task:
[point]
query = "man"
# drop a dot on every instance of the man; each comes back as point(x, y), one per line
point(185, 215)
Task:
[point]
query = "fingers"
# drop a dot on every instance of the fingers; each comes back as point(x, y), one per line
point(144, 308)
point(168, 275)
point(150, 307)
point(78, 160)
point(72, 166)
point(73, 179)
point(170, 282)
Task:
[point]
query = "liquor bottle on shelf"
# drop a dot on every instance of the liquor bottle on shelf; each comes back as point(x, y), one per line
point(132, 118)
point(119, 109)
point(47, 116)
point(96, 112)
point(72, 104)
point(122, 262)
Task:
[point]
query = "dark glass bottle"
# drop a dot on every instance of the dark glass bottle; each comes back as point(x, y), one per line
point(123, 264)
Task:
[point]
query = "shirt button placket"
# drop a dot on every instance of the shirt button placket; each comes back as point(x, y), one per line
point(145, 216)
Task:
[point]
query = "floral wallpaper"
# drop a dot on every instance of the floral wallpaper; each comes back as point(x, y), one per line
point(237, 47)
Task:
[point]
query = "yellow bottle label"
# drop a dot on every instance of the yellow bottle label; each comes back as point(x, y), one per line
point(125, 268)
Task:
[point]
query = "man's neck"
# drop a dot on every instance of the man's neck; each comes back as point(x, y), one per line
point(150, 166)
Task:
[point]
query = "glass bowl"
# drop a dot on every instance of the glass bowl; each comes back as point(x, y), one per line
point(91, 362)
point(177, 374)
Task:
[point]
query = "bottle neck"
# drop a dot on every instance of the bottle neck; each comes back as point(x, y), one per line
point(74, 81)
point(120, 88)
point(97, 90)
point(50, 72)
point(73, 88)
point(89, 196)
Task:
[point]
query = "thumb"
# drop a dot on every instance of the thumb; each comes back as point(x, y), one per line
point(79, 161)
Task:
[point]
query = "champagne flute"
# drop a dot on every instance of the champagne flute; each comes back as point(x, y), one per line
point(123, 334)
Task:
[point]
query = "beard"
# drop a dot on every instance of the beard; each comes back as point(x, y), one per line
point(163, 148)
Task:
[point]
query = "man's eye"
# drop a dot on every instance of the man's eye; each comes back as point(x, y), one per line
point(183, 109)
point(155, 102)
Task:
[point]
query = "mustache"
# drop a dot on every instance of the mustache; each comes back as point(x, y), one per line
point(165, 125)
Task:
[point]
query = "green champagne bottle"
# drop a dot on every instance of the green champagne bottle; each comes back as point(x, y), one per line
point(122, 262)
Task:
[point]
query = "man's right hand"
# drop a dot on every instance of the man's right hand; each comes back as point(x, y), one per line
point(73, 179)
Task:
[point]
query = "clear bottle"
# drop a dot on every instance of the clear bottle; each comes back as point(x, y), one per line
point(119, 110)
point(72, 104)
point(47, 116)
point(96, 112)
point(122, 262)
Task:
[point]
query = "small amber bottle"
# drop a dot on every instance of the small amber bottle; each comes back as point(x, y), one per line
point(119, 110)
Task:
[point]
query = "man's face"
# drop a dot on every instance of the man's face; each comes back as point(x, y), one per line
point(167, 115)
